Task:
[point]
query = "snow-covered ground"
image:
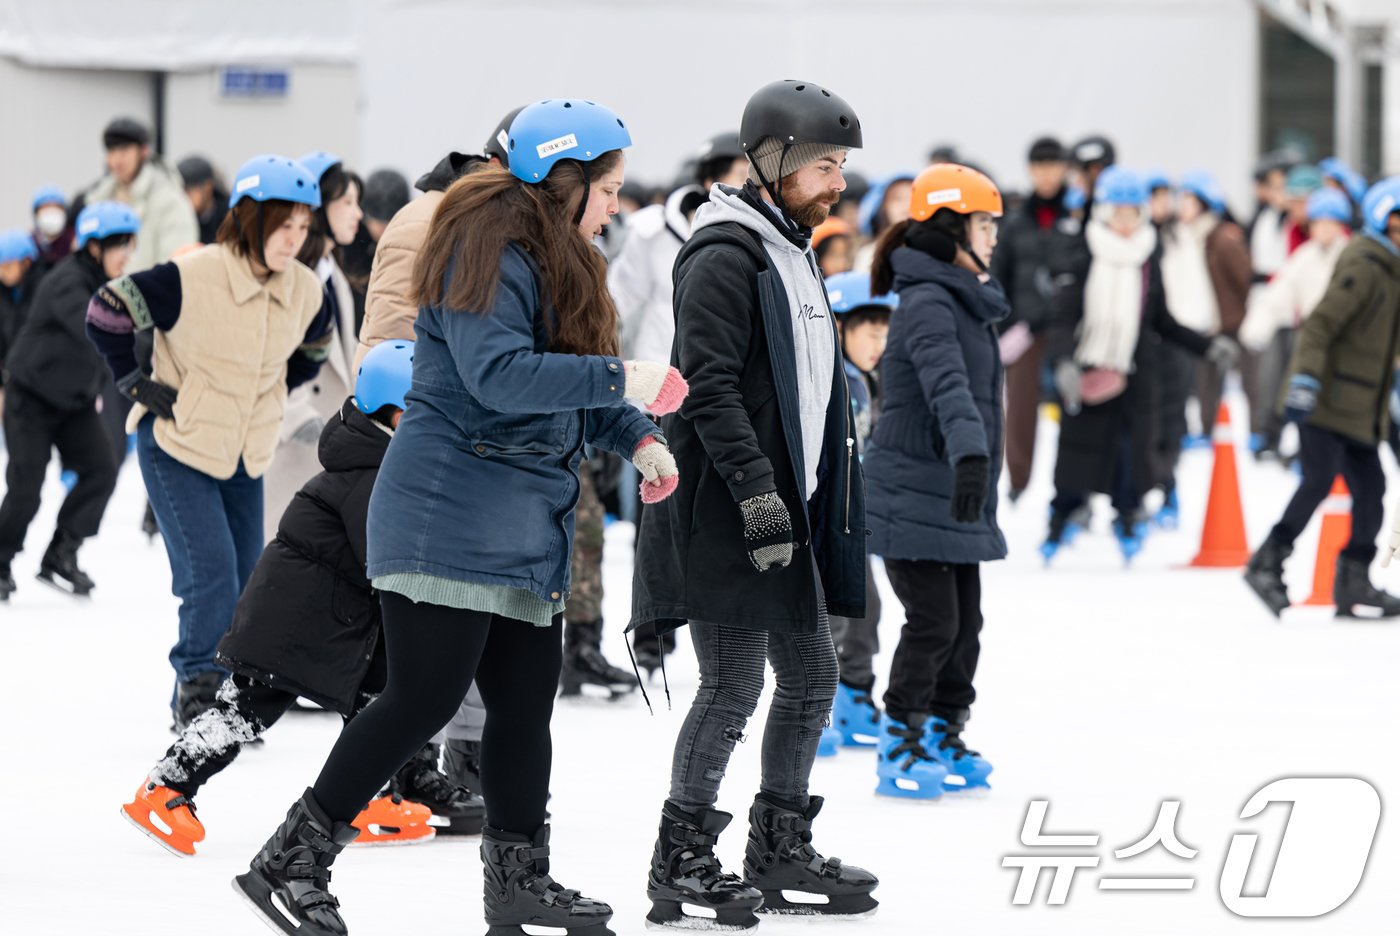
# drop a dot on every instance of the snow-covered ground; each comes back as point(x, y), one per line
point(1102, 690)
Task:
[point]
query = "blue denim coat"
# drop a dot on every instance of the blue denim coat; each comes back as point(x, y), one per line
point(481, 479)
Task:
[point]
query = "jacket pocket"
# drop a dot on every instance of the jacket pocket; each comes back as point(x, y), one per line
point(187, 401)
point(1353, 394)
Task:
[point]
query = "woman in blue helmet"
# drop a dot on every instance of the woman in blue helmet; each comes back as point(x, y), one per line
point(209, 403)
point(471, 521)
point(53, 380)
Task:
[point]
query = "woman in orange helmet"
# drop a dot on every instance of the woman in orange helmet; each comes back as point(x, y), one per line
point(931, 470)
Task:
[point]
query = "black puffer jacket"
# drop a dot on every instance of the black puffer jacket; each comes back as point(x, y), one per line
point(308, 622)
point(51, 357)
point(1024, 258)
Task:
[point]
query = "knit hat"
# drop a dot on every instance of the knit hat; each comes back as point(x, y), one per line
point(765, 156)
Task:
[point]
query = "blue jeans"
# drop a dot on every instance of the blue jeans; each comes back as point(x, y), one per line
point(213, 532)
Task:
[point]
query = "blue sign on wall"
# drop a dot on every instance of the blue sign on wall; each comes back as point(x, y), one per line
point(254, 82)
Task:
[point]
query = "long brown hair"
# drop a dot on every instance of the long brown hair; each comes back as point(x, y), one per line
point(881, 272)
point(488, 209)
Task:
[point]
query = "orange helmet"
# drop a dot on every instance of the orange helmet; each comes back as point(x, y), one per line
point(958, 188)
point(831, 227)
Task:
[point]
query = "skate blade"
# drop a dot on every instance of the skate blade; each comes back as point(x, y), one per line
point(603, 698)
point(448, 826)
point(375, 836)
point(847, 907)
point(887, 787)
point(535, 929)
point(155, 834)
point(271, 919)
point(60, 587)
point(696, 924)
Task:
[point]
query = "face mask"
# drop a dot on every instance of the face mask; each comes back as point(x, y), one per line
point(50, 220)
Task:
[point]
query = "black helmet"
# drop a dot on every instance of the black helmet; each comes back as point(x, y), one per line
point(721, 146)
point(1094, 149)
point(195, 170)
point(499, 144)
point(123, 131)
point(386, 191)
point(798, 112)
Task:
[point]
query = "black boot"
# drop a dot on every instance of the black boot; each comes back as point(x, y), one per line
point(195, 697)
point(1353, 587)
point(780, 857)
point(456, 811)
point(461, 763)
point(520, 892)
point(291, 875)
point(684, 870)
point(650, 650)
point(7, 582)
point(1264, 574)
point(149, 525)
point(59, 567)
point(584, 663)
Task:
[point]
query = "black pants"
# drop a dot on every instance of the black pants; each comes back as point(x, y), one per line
point(1324, 455)
point(32, 430)
point(936, 658)
point(434, 653)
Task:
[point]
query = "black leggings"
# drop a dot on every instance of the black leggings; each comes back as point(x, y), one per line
point(434, 653)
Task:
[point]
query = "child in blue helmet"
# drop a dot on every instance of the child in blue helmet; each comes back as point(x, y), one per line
point(514, 371)
point(20, 273)
point(308, 624)
point(53, 235)
point(54, 376)
point(863, 322)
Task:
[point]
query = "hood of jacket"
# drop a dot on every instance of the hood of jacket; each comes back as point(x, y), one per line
point(912, 267)
point(745, 207)
point(352, 441)
point(448, 170)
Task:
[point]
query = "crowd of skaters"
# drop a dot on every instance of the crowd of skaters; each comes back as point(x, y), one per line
point(802, 368)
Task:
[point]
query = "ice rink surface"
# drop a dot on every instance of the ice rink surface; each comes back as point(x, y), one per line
point(1102, 690)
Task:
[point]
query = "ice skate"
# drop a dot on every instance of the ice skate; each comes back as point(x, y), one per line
point(685, 873)
point(7, 583)
point(855, 715)
point(1056, 537)
point(461, 764)
point(1264, 574)
point(195, 696)
point(1352, 589)
point(906, 769)
point(1168, 516)
point(288, 882)
point(780, 857)
point(167, 816)
point(455, 810)
point(392, 820)
point(520, 892)
point(585, 665)
point(59, 567)
point(1131, 535)
point(967, 770)
point(829, 743)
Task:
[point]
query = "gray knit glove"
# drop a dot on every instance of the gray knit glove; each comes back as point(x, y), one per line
point(767, 531)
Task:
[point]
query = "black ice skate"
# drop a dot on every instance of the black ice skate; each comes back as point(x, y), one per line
point(456, 810)
point(685, 872)
point(149, 526)
point(780, 857)
point(194, 697)
point(461, 764)
point(520, 892)
point(1264, 574)
point(651, 652)
point(59, 567)
point(287, 883)
point(7, 582)
point(1352, 588)
point(585, 665)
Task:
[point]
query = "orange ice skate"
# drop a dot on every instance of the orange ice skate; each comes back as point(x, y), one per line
point(166, 816)
point(392, 820)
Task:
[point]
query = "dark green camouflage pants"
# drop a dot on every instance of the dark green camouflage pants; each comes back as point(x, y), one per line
point(585, 601)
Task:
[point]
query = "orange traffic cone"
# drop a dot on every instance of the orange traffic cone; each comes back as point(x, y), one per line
point(1336, 530)
point(1223, 543)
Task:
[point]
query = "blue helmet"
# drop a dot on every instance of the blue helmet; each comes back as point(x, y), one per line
point(1074, 198)
point(874, 199)
point(275, 178)
point(48, 195)
point(318, 162)
point(849, 291)
point(384, 377)
point(1119, 186)
point(16, 244)
point(561, 128)
point(1155, 179)
point(101, 220)
point(1353, 182)
point(1203, 185)
point(1329, 205)
point(1380, 203)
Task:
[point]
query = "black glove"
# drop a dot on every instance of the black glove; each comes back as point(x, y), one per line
point(970, 478)
point(767, 531)
point(156, 397)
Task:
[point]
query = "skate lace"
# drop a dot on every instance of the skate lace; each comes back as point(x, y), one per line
point(697, 859)
point(952, 741)
point(180, 800)
point(911, 751)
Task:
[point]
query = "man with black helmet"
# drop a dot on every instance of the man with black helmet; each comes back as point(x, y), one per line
point(206, 193)
point(767, 532)
point(137, 178)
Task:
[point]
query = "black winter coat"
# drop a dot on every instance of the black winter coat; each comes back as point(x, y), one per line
point(52, 357)
point(308, 621)
point(1088, 439)
point(14, 308)
point(1024, 258)
point(739, 435)
point(942, 380)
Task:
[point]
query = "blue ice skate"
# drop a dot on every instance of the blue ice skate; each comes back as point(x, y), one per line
point(967, 770)
point(830, 742)
point(68, 478)
point(905, 768)
point(1168, 516)
point(1196, 441)
point(855, 715)
point(1131, 534)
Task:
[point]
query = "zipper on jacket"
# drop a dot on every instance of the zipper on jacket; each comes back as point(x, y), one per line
point(850, 459)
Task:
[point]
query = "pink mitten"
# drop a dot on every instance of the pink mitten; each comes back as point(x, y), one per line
point(659, 476)
point(661, 389)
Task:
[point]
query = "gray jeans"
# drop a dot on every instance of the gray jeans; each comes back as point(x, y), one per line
point(857, 640)
point(731, 679)
point(467, 724)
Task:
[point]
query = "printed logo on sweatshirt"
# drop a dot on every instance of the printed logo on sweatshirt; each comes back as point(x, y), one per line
point(557, 145)
point(810, 313)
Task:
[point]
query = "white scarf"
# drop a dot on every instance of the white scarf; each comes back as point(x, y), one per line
point(1113, 296)
point(1186, 277)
